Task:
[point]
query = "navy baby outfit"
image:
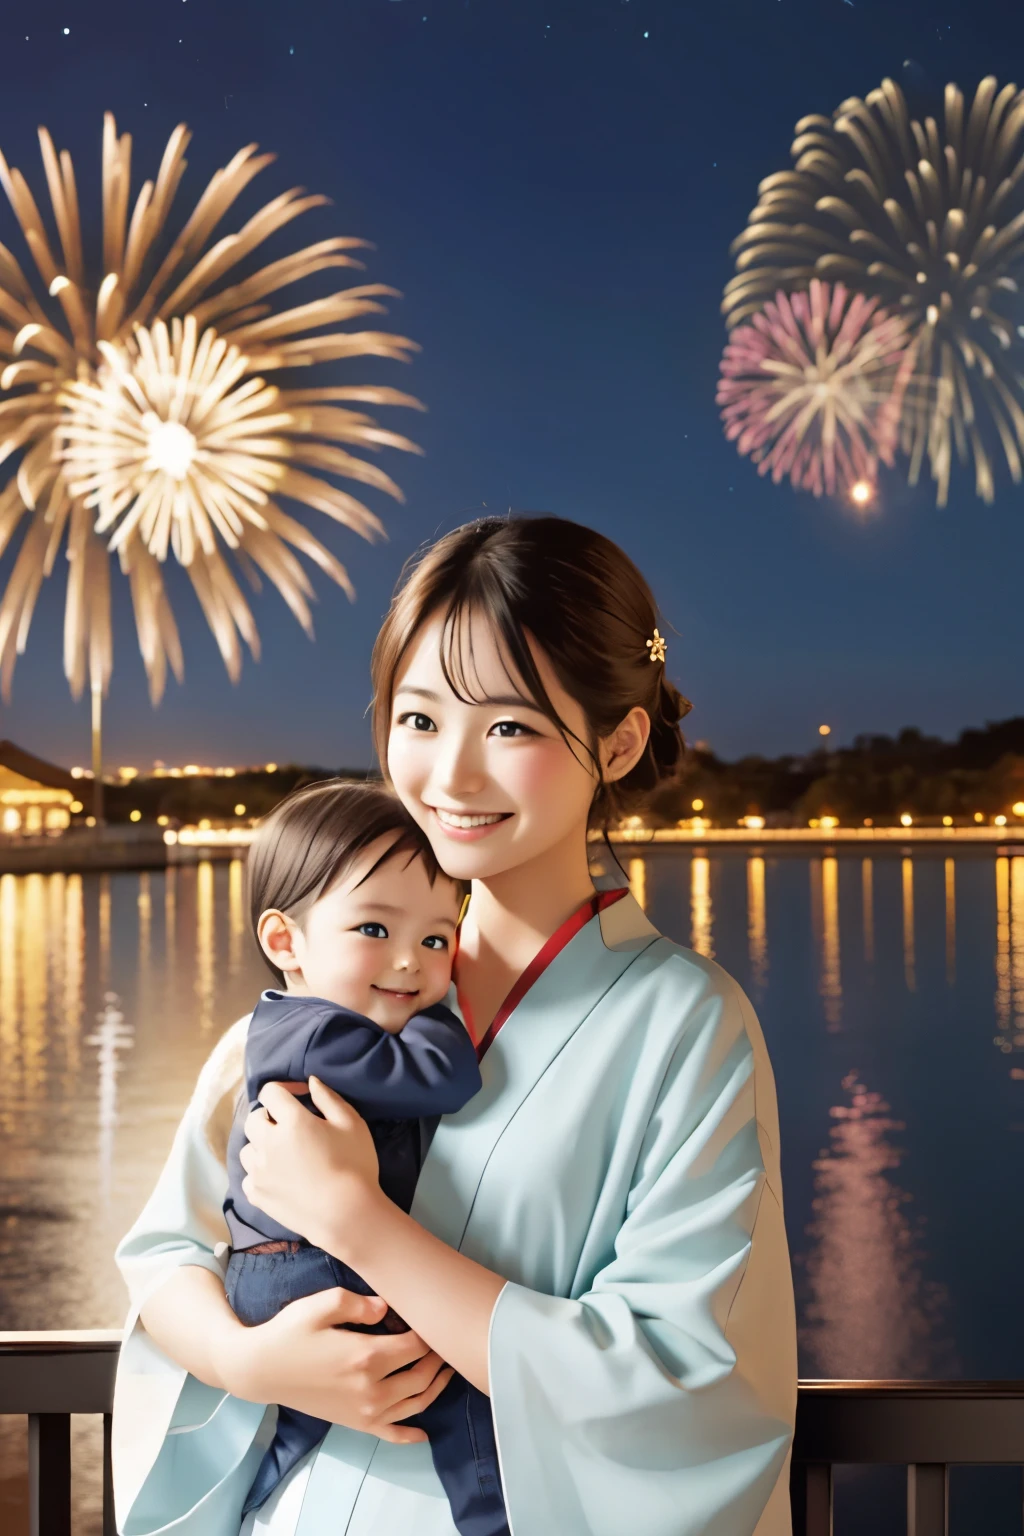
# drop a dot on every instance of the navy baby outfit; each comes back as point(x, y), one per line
point(394, 1081)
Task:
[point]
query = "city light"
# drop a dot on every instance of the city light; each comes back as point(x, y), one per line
point(906, 820)
point(191, 768)
point(75, 807)
point(698, 805)
point(828, 822)
point(979, 816)
point(868, 822)
point(77, 773)
point(162, 821)
point(861, 493)
point(824, 730)
point(128, 773)
point(753, 823)
point(239, 810)
point(135, 816)
point(1000, 821)
point(271, 768)
point(1018, 809)
point(947, 821)
point(204, 825)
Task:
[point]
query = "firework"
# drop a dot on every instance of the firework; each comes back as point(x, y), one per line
point(930, 220)
point(811, 387)
point(143, 411)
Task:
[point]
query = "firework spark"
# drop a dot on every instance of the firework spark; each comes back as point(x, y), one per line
point(930, 220)
point(812, 385)
point(144, 411)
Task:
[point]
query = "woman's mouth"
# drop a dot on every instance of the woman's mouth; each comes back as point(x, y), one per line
point(466, 826)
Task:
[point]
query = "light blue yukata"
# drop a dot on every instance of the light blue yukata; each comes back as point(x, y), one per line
point(620, 1166)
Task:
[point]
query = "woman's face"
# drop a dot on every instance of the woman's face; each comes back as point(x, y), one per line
point(492, 783)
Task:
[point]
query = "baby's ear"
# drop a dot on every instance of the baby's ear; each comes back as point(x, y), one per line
point(277, 934)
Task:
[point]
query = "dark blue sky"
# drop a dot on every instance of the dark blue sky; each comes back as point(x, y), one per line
point(554, 192)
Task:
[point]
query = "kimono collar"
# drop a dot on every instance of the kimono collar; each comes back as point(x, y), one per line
point(540, 962)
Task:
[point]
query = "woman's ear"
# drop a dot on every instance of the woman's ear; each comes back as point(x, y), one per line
point(279, 939)
point(624, 747)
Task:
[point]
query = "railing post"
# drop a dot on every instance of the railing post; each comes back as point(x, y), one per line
point(49, 1474)
point(928, 1499)
point(810, 1485)
point(109, 1528)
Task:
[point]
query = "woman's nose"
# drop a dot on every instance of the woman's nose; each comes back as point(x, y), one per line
point(458, 767)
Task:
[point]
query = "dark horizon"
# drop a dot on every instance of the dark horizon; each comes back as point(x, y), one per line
point(554, 193)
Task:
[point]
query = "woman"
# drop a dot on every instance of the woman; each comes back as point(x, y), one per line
point(597, 1238)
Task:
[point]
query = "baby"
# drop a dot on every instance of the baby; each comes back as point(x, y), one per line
point(357, 922)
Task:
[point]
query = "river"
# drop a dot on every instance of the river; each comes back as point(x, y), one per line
point(891, 989)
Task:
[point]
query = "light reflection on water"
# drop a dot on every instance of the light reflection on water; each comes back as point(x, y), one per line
point(891, 989)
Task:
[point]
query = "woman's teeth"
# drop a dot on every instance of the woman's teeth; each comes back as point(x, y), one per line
point(449, 819)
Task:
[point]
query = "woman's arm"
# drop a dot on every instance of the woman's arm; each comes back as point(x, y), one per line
point(303, 1357)
point(320, 1177)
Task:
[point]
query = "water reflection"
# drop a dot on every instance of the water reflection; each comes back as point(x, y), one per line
point(867, 882)
point(757, 928)
point(236, 914)
point(1009, 960)
point(34, 986)
point(701, 916)
point(869, 1312)
point(824, 875)
point(204, 943)
point(111, 1036)
point(909, 962)
point(950, 879)
point(73, 950)
point(636, 873)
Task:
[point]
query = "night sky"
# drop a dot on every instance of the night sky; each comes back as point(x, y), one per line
point(553, 186)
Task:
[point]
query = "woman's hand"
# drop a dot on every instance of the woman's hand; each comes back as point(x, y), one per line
point(305, 1359)
point(316, 1177)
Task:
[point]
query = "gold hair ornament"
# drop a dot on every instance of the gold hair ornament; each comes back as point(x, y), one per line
point(657, 647)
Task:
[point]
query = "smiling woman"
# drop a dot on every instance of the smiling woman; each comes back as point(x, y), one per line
point(596, 1243)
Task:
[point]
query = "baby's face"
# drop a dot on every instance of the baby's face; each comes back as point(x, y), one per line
point(381, 945)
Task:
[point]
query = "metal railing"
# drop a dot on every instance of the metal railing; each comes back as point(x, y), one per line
point(925, 1426)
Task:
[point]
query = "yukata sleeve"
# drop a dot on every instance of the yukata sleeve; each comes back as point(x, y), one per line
point(184, 1454)
point(429, 1068)
point(661, 1400)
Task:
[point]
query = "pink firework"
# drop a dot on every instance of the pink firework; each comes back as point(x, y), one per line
point(812, 387)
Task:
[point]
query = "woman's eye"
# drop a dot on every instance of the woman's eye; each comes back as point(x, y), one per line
point(507, 728)
point(435, 941)
point(372, 930)
point(417, 722)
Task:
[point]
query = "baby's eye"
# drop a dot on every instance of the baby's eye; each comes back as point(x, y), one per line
point(507, 728)
point(435, 941)
point(372, 930)
point(416, 721)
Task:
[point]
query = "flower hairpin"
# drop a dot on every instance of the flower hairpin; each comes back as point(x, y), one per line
point(657, 647)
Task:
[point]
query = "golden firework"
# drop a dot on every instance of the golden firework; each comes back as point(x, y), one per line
point(928, 218)
point(145, 412)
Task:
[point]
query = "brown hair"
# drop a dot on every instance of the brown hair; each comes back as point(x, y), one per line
point(585, 604)
point(308, 840)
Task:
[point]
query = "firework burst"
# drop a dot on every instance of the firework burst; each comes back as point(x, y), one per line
point(144, 412)
point(811, 387)
point(930, 220)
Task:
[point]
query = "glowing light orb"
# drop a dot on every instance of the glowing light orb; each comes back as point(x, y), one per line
point(862, 492)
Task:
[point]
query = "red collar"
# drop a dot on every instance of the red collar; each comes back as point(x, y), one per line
point(540, 962)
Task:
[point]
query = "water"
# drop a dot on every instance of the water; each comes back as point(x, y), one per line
point(891, 990)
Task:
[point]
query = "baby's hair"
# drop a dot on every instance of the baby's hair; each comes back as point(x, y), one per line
point(315, 834)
